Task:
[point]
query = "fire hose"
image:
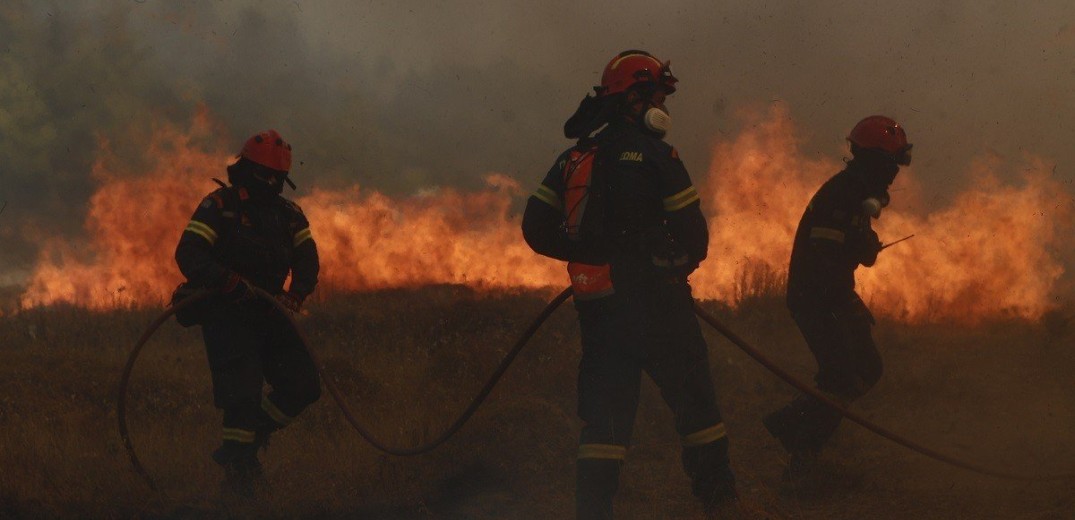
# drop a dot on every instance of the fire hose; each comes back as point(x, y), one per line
point(503, 367)
point(121, 403)
point(856, 418)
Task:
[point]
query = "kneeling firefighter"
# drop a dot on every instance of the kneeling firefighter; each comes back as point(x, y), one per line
point(834, 237)
point(620, 208)
point(246, 235)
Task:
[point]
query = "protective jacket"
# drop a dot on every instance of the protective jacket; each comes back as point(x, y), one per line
point(260, 238)
point(597, 210)
point(621, 210)
point(834, 237)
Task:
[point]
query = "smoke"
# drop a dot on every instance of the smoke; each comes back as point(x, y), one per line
point(400, 96)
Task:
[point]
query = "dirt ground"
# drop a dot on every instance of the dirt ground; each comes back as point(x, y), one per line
point(999, 394)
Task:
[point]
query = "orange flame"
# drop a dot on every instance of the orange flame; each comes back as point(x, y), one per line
point(990, 253)
point(373, 241)
point(133, 225)
point(365, 240)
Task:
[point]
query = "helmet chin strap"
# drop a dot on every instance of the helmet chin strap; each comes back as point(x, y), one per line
point(270, 183)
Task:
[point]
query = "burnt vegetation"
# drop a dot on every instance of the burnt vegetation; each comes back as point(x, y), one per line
point(409, 361)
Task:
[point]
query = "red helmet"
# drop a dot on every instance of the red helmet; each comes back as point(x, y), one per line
point(269, 150)
point(882, 134)
point(632, 67)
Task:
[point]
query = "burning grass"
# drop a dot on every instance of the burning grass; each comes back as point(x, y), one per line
point(409, 360)
point(995, 250)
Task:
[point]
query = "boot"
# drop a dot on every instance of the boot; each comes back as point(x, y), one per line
point(596, 484)
point(805, 425)
point(783, 425)
point(243, 476)
point(718, 495)
point(801, 465)
point(723, 509)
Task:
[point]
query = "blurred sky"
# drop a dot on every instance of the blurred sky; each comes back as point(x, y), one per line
point(403, 95)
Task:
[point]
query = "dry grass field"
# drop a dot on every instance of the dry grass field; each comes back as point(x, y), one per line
point(1000, 394)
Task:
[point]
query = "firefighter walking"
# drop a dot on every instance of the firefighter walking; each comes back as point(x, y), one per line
point(241, 236)
point(834, 237)
point(620, 208)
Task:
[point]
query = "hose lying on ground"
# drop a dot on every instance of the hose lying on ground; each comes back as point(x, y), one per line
point(854, 417)
point(124, 380)
point(499, 372)
point(471, 408)
point(121, 403)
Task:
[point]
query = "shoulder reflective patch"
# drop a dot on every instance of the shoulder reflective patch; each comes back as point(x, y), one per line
point(303, 235)
point(827, 234)
point(680, 200)
point(702, 437)
point(546, 195)
point(631, 156)
point(602, 451)
point(203, 230)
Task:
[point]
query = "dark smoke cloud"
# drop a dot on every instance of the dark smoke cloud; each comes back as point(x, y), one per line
point(67, 82)
point(404, 95)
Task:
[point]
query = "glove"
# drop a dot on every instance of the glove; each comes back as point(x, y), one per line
point(870, 247)
point(236, 289)
point(666, 255)
point(291, 301)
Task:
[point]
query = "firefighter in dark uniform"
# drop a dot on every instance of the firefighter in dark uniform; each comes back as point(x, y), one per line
point(620, 208)
point(835, 237)
point(242, 236)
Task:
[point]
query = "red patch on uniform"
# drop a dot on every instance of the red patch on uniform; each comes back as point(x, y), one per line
point(675, 153)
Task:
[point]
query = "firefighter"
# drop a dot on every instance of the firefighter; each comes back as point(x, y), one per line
point(834, 237)
point(620, 209)
point(246, 235)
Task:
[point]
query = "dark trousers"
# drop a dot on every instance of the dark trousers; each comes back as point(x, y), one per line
point(249, 346)
point(848, 366)
point(654, 330)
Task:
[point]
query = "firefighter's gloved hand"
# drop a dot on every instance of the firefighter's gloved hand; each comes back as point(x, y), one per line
point(870, 247)
point(669, 259)
point(291, 301)
point(237, 290)
point(674, 266)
